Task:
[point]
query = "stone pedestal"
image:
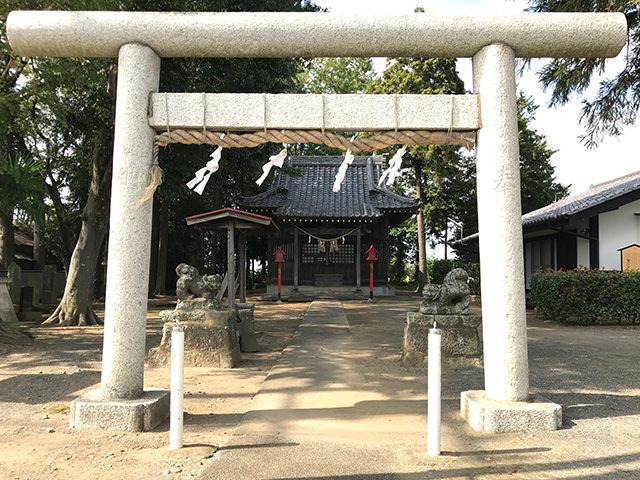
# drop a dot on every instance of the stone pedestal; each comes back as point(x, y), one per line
point(211, 337)
point(248, 341)
point(460, 338)
point(47, 296)
point(7, 312)
point(14, 275)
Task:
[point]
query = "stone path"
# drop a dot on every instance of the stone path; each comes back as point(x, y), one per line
point(338, 405)
point(315, 416)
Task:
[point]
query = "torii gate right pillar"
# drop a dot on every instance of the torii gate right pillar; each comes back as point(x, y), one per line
point(504, 404)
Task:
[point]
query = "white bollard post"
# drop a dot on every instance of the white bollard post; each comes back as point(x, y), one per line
point(177, 387)
point(434, 392)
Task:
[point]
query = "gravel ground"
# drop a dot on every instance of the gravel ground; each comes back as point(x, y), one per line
point(592, 372)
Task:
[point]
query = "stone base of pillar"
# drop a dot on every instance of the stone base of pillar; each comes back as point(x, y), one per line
point(492, 416)
point(137, 415)
point(460, 338)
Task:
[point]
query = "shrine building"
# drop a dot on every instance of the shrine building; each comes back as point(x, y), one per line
point(325, 235)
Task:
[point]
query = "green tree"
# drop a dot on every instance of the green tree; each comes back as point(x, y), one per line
point(617, 101)
point(21, 188)
point(336, 75)
point(68, 106)
point(436, 172)
point(538, 186)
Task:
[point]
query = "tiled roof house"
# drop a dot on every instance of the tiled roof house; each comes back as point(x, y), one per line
point(588, 229)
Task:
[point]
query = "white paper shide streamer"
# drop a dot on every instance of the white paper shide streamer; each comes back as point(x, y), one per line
point(342, 171)
point(198, 182)
point(391, 173)
point(276, 160)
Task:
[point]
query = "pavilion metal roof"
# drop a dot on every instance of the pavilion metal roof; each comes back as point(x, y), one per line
point(219, 219)
point(310, 195)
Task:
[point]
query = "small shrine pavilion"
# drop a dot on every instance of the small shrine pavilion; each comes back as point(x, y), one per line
point(325, 234)
point(232, 221)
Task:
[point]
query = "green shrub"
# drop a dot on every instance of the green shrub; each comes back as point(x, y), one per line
point(588, 297)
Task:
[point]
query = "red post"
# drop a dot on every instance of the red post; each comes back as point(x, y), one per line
point(279, 259)
point(372, 256)
point(370, 280)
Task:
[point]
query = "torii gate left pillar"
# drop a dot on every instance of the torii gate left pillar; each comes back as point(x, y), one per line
point(121, 401)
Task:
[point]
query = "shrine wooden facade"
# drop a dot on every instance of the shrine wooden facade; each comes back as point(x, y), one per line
point(325, 234)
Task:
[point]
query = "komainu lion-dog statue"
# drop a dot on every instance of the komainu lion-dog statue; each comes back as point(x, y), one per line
point(191, 284)
point(452, 297)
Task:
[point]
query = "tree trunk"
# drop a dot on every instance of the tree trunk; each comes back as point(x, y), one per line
point(100, 286)
point(422, 252)
point(163, 249)
point(153, 263)
point(76, 306)
point(446, 238)
point(67, 233)
point(195, 245)
point(7, 240)
point(39, 253)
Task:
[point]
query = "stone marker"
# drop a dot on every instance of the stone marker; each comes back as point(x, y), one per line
point(14, 274)
point(7, 312)
point(48, 279)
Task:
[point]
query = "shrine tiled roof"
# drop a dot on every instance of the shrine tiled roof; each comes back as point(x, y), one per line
point(310, 195)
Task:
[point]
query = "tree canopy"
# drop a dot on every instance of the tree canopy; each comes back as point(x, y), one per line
point(617, 100)
point(60, 111)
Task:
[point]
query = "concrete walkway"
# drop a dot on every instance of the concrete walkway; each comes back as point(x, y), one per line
point(317, 416)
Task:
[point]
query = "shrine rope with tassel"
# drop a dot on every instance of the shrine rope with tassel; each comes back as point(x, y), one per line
point(361, 144)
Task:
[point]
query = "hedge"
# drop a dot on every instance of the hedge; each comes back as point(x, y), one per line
point(588, 297)
point(437, 269)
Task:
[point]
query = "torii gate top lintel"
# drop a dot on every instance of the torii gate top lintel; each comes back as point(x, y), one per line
point(288, 34)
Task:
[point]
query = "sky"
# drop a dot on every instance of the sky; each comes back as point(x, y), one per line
point(575, 165)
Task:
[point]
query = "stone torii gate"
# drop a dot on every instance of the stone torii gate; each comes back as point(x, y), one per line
point(140, 39)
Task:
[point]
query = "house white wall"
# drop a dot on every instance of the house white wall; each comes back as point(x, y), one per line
point(583, 260)
point(617, 229)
